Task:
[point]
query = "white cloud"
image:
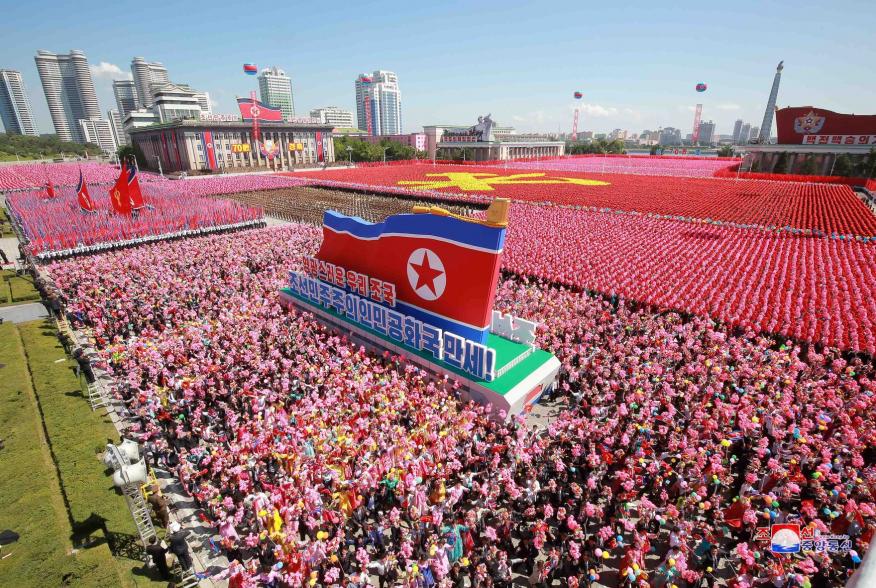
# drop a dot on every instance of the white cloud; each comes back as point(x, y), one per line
point(109, 71)
point(535, 117)
point(633, 114)
point(728, 106)
point(599, 111)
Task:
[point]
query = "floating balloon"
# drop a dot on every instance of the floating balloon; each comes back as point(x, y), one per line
point(578, 95)
point(701, 87)
point(250, 69)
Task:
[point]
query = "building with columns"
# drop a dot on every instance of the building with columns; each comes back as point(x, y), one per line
point(488, 142)
point(216, 146)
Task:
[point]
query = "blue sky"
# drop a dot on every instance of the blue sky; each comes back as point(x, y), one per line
point(636, 62)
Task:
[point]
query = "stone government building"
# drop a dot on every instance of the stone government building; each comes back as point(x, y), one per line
point(212, 144)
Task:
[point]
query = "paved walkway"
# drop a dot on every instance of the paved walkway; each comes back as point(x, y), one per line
point(9, 245)
point(23, 313)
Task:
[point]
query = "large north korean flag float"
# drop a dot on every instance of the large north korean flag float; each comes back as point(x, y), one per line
point(422, 285)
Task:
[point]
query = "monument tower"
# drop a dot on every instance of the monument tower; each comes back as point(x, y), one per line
point(766, 126)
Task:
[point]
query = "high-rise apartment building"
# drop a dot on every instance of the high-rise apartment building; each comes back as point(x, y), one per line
point(148, 76)
point(172, 102)
point(332, 115)
point(744, 134)
point(126, 96)
point(707, 133)
point(118, 129)
point(670, 136)
point(99, 132)
point(15, 112)
point(378, 103)
point(275, 89)
point(737, 128)
point(69, 91)
point(203, 99)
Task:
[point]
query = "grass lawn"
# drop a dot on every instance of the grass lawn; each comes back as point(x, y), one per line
point(15, 289)
point(95, 518)
point(31, 502)
point(5, 225)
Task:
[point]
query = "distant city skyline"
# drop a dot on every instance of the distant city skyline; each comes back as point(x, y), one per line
point(523, 66)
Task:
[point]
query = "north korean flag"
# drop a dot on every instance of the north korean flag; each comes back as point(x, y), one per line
point(209, 151)
point(250, 109)
point(82, 195)
point(134, 192)
point(118, 194)
point(444, 268)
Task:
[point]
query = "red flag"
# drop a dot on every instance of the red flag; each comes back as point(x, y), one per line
point(82, 195)
point(50, 189)
point(119, 194)
point(134, 193)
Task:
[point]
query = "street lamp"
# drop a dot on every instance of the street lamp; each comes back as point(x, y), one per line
point(160, 172)
point(350, 154)
point(384, 154)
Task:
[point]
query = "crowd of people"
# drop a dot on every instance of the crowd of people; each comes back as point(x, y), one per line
point(690, 167)
point(29, 175)
point(814, 289)
point(322, 464)
point(57, 226)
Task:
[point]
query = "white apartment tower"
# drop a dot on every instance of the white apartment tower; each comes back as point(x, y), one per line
point(275, 89)
point(69, 91)
point(378, 103)
point(118, 129)
point(126, 96)
point(99, 132)
point(332, 115)
point(15, 112)
point(148, 76)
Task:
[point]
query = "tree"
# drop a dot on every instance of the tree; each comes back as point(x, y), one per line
point(725, 151)
point(809, 168)
point(125, 152)
point(782, 162)
point(866, 167)
point(843, 165)
point(397, 151)
point(455, 154)
point(14, 147)
point(599, 146)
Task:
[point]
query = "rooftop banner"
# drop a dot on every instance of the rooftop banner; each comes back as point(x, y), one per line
point(250, 109)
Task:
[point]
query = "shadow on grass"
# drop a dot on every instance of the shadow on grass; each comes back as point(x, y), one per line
point(93, 531)
point(125, 545)
point(84, 531)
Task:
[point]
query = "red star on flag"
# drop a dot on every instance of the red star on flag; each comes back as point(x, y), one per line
point(426, 275)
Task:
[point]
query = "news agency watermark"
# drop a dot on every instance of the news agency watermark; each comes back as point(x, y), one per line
point(791, 538)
